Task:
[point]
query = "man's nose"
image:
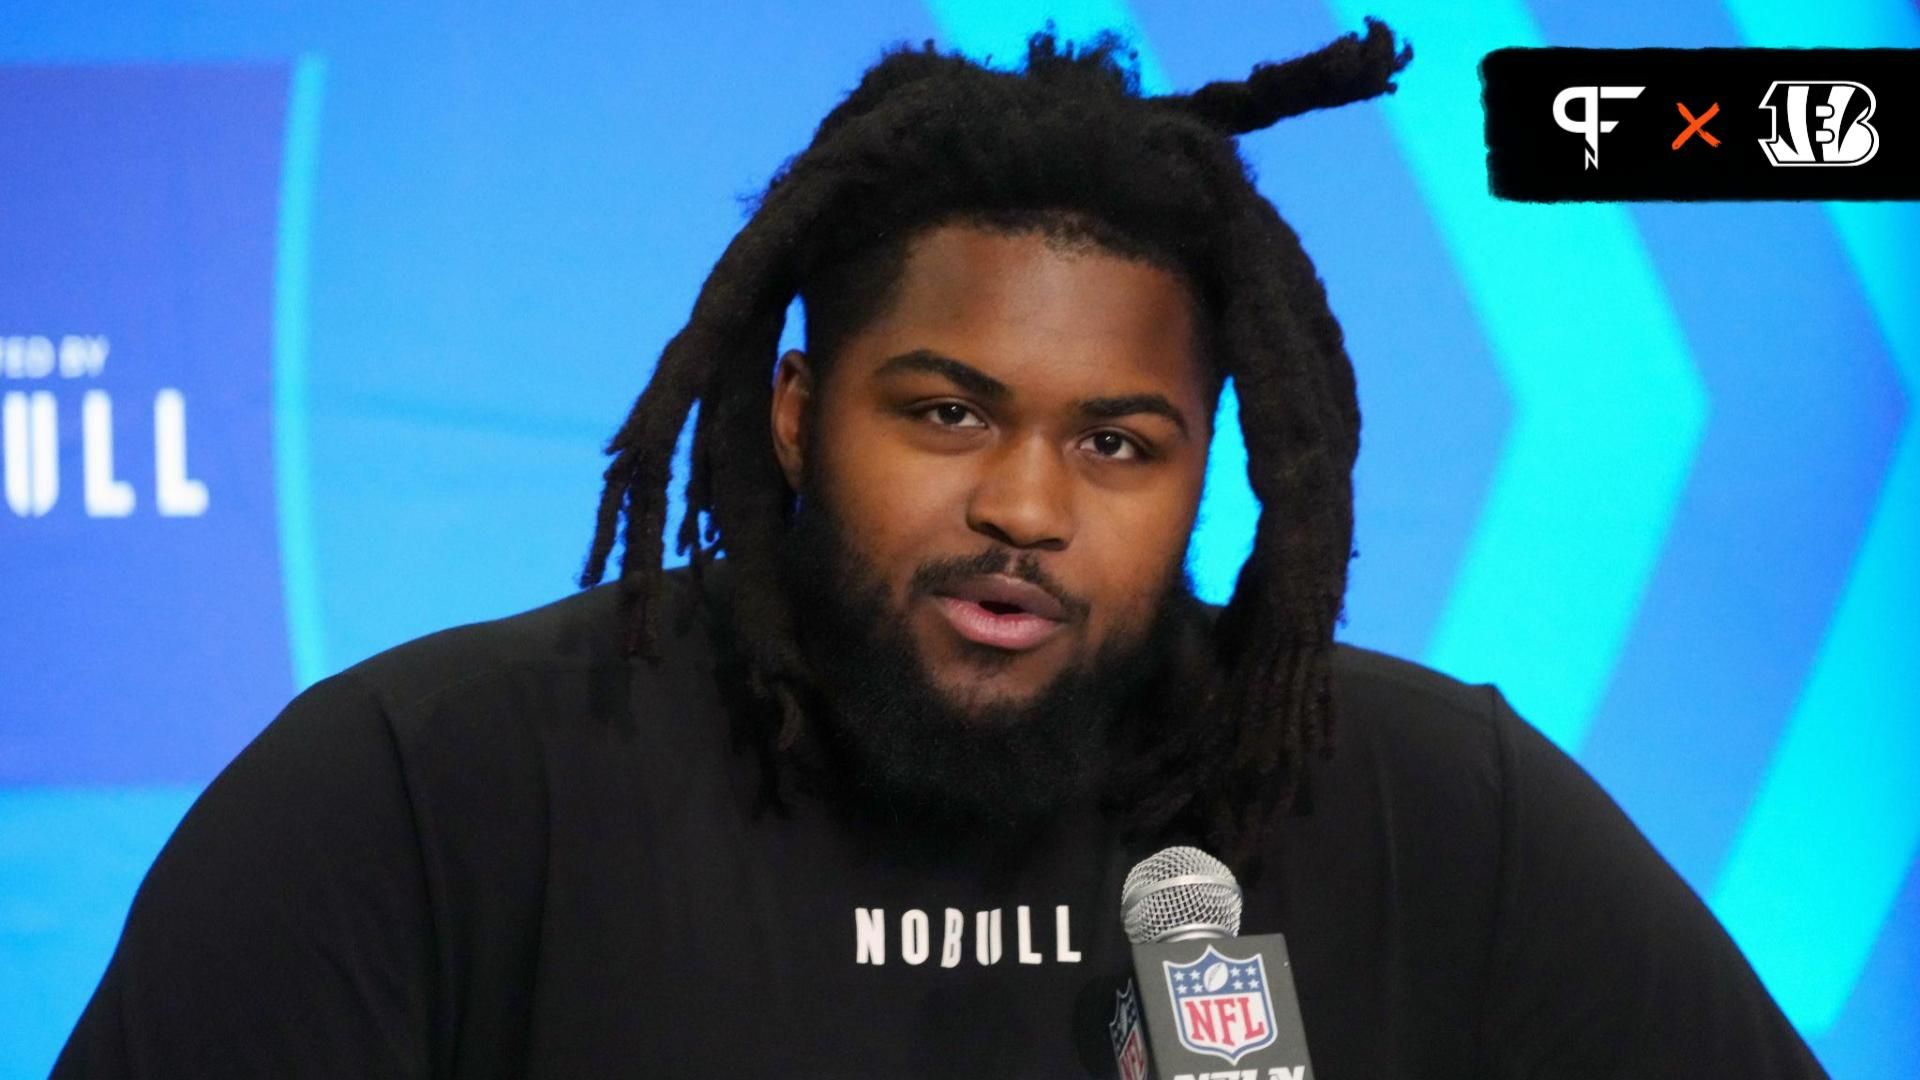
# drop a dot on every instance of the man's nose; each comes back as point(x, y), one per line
point(1024, 497)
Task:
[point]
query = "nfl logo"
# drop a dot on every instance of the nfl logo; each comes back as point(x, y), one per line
point(1221, 1005)
point(1129, 1049)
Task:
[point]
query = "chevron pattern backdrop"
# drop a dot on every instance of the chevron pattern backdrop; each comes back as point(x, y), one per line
point(358, 289)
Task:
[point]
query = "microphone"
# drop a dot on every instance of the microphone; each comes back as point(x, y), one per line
point(1202, 995)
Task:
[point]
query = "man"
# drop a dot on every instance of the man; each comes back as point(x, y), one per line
point(853, 794)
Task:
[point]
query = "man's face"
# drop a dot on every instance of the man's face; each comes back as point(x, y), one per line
point(1015, 449)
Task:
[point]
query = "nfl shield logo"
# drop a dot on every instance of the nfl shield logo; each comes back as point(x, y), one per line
point(1129, 1047)
point(1221, 1005)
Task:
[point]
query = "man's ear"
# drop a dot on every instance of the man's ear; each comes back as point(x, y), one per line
point(792, 410)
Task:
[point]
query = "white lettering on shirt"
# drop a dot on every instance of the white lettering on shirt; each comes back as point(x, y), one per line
point(1063, 949)
point(986, 937)
point(913, 937)
point(869, 936)
point(950, 942)
point(1027, 955)
point(918, 928)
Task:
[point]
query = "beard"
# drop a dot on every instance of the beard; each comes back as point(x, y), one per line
point(902, 744)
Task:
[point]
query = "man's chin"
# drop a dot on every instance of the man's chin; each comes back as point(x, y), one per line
point(946, 742)
point(1001, 789)
point(967, 752)
point(980, 736)
point(987, 701)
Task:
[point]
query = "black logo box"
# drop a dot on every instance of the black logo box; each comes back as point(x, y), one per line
point(1531, 158)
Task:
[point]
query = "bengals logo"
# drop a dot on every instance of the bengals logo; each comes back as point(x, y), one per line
point(1825, 123)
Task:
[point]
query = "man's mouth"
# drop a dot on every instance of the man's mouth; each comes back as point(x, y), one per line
point(1001, 611)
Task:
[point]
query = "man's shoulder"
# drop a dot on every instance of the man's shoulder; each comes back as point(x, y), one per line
point(1391, 689)
point(571, 632)
point(1410, 690)
point(1398, 721)
point(579, 634)
point(1402, 723)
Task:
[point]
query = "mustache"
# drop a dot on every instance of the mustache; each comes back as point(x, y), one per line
point(939, 574)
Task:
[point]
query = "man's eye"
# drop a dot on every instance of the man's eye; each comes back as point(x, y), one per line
point(1115, 447)
point(952, 414)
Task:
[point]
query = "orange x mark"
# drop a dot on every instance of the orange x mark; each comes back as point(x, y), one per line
point(1699, 125)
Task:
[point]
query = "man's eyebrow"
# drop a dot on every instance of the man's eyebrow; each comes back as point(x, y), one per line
point(1112, 408)
point(975, 381)
point(965, 376)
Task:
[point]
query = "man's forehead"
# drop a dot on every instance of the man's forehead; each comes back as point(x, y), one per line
point(1035, 313)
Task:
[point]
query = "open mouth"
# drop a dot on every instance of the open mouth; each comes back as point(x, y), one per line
point(998, 623)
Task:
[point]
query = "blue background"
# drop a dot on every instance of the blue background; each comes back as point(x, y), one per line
point(1652, 468)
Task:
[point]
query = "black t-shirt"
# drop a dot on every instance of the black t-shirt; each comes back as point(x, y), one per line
point(507, 850)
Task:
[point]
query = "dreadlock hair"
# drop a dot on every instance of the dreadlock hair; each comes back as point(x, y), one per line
point(1066, 145)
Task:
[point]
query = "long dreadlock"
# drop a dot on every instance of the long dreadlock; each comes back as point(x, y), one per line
point(929, 138)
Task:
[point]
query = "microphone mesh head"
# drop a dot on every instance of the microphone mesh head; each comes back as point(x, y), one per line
point(1179, 892)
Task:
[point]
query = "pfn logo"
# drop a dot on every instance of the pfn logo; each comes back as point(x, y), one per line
point(1589, 125)
point(1826, 123)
